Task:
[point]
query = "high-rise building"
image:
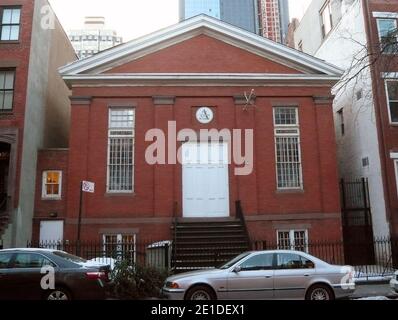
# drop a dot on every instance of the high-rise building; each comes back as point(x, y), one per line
point(274, 19)
point(240, 13)
point(93, 38)
point(269, 18)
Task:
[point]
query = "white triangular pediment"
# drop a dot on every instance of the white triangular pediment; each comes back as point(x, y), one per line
point(191, 28)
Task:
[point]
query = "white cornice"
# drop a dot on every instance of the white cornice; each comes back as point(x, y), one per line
point(389, 75)
point(202, 24)
point(203, 79)
point(387, 15)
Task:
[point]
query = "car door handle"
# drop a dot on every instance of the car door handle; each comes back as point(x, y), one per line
point(307, 275)
point(268, 277)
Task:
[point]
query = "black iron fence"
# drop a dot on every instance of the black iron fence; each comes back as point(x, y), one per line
point(159, 254)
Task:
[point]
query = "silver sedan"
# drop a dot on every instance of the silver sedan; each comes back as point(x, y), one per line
point(265, 275)
point(394, 283)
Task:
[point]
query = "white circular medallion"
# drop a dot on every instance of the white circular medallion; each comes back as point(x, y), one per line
point(205, 115)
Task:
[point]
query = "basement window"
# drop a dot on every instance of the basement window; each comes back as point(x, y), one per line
point(293, 240)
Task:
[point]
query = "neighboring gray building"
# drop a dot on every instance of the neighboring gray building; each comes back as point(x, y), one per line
point(240, 13)
point(93, 38)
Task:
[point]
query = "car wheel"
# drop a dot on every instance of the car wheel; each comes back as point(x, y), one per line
point(58, 294)
point(200, 293)
point(319, 292)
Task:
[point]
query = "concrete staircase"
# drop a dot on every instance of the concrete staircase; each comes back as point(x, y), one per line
point(202, 244)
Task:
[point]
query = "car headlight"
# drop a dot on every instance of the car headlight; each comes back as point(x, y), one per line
point(172, 285)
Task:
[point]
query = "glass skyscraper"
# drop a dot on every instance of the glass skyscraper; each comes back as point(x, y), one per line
point(240, 13)
point(194, 7)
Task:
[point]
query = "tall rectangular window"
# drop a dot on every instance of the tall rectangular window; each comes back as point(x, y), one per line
point(388, 35)
point(326, 19)
point(287, 145)
point(121, 150)
point(6, 89)
point(10, 23)
point(392, 97)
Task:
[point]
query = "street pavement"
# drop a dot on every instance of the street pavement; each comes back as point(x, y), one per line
point(369, 291)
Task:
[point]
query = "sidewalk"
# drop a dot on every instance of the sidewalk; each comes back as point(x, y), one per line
point(373, 290)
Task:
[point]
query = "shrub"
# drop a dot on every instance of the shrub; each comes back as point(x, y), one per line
point(136, 282)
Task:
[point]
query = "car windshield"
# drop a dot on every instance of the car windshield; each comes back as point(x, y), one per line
point(70, 257)
point(235, 260)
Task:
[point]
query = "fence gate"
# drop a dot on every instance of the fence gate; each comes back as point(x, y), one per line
point(357, 222)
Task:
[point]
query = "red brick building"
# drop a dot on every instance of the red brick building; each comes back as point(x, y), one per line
point(381, 21)
point(34, 106)
point(199, 74)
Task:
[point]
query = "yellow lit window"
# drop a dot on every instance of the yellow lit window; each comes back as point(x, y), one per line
point(52, 183)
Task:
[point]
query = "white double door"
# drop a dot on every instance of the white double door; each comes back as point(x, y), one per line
point(205, 180)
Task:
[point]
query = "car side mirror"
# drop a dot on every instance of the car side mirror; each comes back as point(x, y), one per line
point(237, 269)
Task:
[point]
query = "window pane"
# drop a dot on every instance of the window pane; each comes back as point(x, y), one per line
point(30, 260)
point(5, 33)
point(2, 79)
point(288, 162)
point(121, 150)
point(284, 240)
point(326, 19)
point(52, 177)
point(16, 16)
point(14, 35)
point(259, 262)
point(394, 111)
point(300, 241)
point(289, 261)
point(286, 116)
point(121, 119)
point(7, 13)
point(9, 80)
point(386, 26)
point(8, 100)
point(4, 260)
point(392, 90)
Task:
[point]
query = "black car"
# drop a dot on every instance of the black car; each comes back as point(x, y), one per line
point(26, 274)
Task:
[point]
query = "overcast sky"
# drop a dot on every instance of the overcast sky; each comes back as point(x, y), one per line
point(132, 18)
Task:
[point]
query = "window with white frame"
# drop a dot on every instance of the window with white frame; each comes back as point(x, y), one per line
point(326, 19)
point(121, 150)
point(10, 23)
point(52, 185)
point(293, 240)
point(388, 35)
point(287, 148)
point(392, 97)
point(120, 247)
point(7, 77)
